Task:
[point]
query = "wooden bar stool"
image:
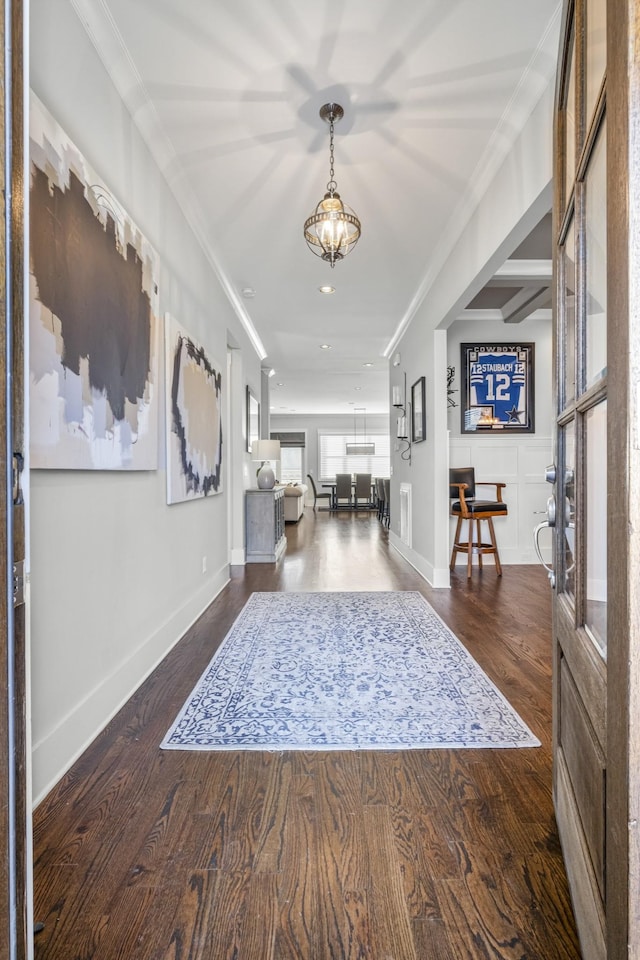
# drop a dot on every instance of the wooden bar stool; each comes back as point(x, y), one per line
point(462, 485)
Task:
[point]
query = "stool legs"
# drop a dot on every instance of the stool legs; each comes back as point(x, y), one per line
point(475, 545)
point(456, 544)
point(495, 546)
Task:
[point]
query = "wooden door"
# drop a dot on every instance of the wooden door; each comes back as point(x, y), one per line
point(596, 474)
point(14, 820)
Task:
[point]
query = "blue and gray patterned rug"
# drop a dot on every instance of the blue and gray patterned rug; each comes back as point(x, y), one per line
point(344, 671)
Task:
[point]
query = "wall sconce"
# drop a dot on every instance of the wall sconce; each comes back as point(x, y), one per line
point(398, 400)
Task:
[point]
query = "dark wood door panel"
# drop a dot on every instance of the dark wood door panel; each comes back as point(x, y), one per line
point(586, 769)
point(585, 894)
point(589, 673)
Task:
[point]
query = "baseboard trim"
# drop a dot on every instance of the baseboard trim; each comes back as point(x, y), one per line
point(50, 756)
point(437, 578)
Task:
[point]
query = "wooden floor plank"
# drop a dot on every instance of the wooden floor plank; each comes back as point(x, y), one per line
point(390, 920)
point(421, 854)
point(298, 891)
point(258, 934)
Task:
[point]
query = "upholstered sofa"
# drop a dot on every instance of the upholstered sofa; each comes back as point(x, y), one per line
point(294, 496)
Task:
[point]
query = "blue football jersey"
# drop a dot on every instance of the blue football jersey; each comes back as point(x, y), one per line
point(498, 380)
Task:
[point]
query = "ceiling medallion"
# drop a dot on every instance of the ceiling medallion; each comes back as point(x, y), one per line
point(333, 229)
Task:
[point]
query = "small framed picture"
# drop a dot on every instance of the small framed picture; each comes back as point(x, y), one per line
point(418, 412)
point(497, 388)
point(253, 419)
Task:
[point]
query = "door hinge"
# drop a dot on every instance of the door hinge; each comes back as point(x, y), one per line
point(18, 583)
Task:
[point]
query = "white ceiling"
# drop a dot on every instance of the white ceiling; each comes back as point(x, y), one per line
point(227, 94)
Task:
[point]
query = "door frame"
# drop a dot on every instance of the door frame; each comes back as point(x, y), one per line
point(613, 924)
point(623, 533)
point(15, 823)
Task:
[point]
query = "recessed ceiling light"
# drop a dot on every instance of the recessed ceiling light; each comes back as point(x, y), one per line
point(280, 384)
point(367, 364)
point(357, 388)
point(325, 346)
point(248, 293)
point(327, 289)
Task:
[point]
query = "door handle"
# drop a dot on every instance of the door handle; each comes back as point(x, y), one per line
point(549, 523)
point(536, 544)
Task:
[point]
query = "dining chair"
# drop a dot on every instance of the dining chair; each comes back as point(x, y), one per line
point(363, 490)
point(343, 490)
point(318, 496)
point(386, 511)
point(380, 496)
point(462, 485)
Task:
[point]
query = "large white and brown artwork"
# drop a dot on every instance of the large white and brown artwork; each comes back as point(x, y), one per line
point(93, 316)
point(194, 417)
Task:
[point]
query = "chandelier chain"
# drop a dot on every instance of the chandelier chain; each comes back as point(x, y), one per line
point(331, 186)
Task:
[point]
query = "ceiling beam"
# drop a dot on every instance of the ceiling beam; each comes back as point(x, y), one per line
point(523, 272)
point(522, 306)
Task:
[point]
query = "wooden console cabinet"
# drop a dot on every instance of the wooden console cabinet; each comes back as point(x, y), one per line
point(264, 517)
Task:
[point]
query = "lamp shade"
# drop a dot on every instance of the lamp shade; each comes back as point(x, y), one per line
point(265, 450)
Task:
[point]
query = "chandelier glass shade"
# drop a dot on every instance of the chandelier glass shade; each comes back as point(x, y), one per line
point(333, 229)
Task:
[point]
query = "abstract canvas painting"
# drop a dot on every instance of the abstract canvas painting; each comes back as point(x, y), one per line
point(194, 417)
point(93, 316)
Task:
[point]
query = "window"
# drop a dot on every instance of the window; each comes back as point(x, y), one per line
point(292, 444)
point(333, 457)
point(291, 464)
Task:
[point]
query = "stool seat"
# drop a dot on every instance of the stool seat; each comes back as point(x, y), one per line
point(476, 507)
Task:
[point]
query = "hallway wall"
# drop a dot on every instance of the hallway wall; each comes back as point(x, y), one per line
point(117, 575)
point(490, 228)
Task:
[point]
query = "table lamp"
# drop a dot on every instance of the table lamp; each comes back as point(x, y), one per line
point(265, 450)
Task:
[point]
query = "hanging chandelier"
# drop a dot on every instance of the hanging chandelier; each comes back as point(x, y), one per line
point(365, 448)
point(333, 229)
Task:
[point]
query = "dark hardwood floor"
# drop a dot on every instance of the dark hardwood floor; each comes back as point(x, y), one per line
point(169, 855)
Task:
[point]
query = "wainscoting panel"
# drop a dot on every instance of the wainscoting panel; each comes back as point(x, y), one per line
point(518, 461)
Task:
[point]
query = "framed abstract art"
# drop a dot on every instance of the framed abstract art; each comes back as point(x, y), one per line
point(193, 415)
point(93, 316)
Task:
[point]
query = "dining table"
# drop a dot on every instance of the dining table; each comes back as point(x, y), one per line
point(331, 485)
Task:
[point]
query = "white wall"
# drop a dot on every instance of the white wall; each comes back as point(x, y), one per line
point(116, 574)
point(516, 199)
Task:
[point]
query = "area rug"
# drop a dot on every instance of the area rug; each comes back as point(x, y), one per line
point(344, 671)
